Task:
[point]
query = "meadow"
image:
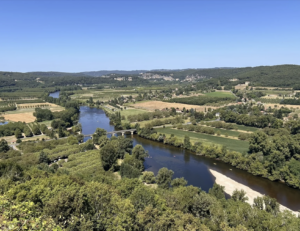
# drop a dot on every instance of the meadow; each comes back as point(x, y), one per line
point(26, 114)
point(103, 95)
point(84, 164)
point(220, 94)
point(159, 105)
point(231, 144)
point(131, 111)
point(242, 128)
point(225, 132)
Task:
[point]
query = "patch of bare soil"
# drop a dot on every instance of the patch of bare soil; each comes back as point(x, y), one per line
point(153, 105)
point(26, 117)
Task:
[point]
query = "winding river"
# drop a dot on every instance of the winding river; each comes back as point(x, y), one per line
point(195, 169)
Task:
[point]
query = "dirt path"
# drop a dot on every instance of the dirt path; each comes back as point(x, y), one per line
point(230, 185)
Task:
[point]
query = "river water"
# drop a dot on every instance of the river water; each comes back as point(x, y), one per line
point(195, 169)
point(54, 94)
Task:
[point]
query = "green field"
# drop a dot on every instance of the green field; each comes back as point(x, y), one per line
point(142, 101)
point(101, 95)
point(220, 94)
point(231, 144)
point(143, 123)
point(228, 132)
point(47, 123)
point(87, 165)
point(246, 128)
point(243, 128)
point(132, 111)
point(25, 110)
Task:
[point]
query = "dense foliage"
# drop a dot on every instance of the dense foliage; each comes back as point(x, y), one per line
point(79, 194)
point(11, 128)
point(201, 100)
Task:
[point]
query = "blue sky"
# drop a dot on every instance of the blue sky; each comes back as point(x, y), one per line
point(75, 36)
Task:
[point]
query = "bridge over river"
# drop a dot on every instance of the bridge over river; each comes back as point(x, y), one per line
point(116, 132)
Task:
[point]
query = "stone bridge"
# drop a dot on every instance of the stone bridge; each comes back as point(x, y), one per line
point(115, 132)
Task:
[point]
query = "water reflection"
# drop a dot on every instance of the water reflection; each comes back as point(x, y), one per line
point(195, 169)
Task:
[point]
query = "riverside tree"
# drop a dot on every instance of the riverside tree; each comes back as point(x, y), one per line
point(164, 177)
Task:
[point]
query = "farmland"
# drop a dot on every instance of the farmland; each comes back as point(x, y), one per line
point(131, 111)
point(220, 94)
point(26, 113)
point(153, 105)
point(231, 144)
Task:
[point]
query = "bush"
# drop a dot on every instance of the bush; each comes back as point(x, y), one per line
point(129, 171)
point(4, 146)
point(43, 158)
point(72, 140)
point(148, 177)
point(179, 126)
point(243, 136)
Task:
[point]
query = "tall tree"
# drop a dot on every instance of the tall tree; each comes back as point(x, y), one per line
point(4, 146)
point(164, 177)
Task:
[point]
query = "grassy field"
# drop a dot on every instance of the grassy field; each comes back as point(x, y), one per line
point(153, 105)
point(47, 123)
point(26, 114)
point(101, 95)
point(220, 94)
point(85, 164)
point(10, 139)
point(143, 123)
point(247, 129)
point(132, 104)
point(231, 144)
point(132, 111)
point(243, 128)
point(223, 132)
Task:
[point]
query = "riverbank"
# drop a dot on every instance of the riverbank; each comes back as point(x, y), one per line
point(230, 185)
point(189, 165)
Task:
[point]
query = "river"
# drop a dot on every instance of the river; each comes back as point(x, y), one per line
point(194, 168)
point(54, 94)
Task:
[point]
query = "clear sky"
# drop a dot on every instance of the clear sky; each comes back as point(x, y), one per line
point(76, 36)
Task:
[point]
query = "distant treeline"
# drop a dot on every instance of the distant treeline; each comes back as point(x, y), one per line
point(290, 101)
point(201, 100)
point(8, 108)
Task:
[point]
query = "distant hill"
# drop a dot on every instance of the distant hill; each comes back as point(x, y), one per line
point(101, 73)
point(275, 76)
point(86, 73)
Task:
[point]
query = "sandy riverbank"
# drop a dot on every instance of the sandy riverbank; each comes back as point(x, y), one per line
point(230, 185)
